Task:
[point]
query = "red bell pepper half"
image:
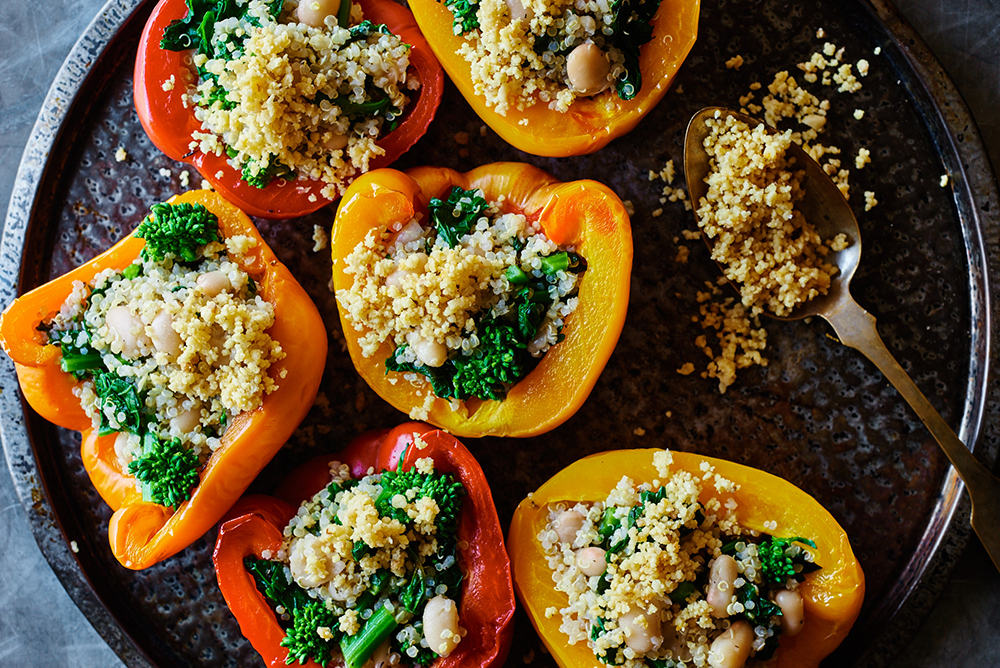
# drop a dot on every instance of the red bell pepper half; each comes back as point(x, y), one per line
point(169, 122)
point(255, 524)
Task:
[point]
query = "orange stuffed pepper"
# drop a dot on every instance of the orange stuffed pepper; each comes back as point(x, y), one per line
point(578, 86)
point(186, 355)
point(688, 556)
point(486, 303)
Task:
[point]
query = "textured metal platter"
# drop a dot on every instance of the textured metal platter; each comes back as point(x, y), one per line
point(819, 414)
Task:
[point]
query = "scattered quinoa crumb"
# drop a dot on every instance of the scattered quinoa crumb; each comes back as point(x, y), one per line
point(219, 174)
point(165, 173)
point(859, 114)
point(683, 253)
point(320, 238)
point(878, 50)
point(629, 207)
point(185, 178)
point(735, 62)
point(870, 201)
point(168, 85)
point(205, 185)
point(461, 138)
point(862, 159)
point(686, 369)
point(820, 33)
point(863, 67)
point(944, 180)
point(73, 546)
point(639, 431)
point(121, 155)
point(657, 213)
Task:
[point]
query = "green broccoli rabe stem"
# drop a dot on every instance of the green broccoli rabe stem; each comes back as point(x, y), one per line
point(359, 647)
point(516, 276)
point(71, 363)
point(344, 14)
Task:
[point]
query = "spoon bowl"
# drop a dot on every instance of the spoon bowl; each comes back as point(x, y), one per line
point(824, 206)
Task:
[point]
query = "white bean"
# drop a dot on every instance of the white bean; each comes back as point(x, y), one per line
point(720, 585)
point(441, 625)
point(430, 353)
point(410, 232)
point(415, 263)
point(518, 12)
point(165, 338)
point(567, 525)
point(591, 561)
point(380, 657)
point(304, 551)
point(335, 142)
point(642, 630)
point(541, 339)
point(587, 68)
point(732, 648)
point(128, 330)
point(187, 420)
point(314, 12)
point(792, 615)
point(213, 283)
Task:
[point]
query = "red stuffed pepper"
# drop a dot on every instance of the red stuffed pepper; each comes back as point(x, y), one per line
point(377, 584)
point(296, 116)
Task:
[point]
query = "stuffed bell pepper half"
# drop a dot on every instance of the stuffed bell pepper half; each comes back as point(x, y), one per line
point(279, 104)
point(185, 355)
point(683, 558)
point(386, 553)
point(560, 78)
point(486, 303)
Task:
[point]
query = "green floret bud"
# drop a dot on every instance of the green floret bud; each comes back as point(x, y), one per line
point(778, 561)
point(303, 640)
point(442, 487)
point(464, 12)
point(261, 178)
point(178, 231)
point(167, 470)
point(501, 359)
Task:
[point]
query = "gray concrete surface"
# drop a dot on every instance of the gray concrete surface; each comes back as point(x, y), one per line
point(40, 626)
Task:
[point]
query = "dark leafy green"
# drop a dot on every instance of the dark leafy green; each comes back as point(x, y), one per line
point(113, 390)
point(79, 358)
point(196, 29)
point(456, 215)
point(631, 29)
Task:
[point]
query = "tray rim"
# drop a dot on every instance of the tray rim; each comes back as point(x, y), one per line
point(938, 101)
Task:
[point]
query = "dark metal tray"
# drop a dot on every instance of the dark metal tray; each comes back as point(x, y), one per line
point(819, 415)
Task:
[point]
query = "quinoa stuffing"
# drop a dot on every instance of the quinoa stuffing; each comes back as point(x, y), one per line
point(661, 573)
point(470, 302)
point(367, 559)
point(523, 52)
point(765, 245)
point(293, 90)
point(169, 349)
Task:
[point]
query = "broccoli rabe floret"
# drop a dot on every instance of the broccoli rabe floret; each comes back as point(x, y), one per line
point(500, 359)
point(263, 176)
point(464, 12)
point(167, 470)
point(302, 638)
point(442, 487)
point(177, 230)
point(777, 563)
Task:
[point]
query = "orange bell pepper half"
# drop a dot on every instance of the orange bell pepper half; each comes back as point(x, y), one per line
point(591, 122)
point(583, 214)
point(169, 122)
point(142, 533)
point(255, 525)
point(832, 595)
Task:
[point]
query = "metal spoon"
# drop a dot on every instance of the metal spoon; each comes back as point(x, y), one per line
point(825, 207)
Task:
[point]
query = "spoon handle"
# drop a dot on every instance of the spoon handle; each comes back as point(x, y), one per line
point(856, 328)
